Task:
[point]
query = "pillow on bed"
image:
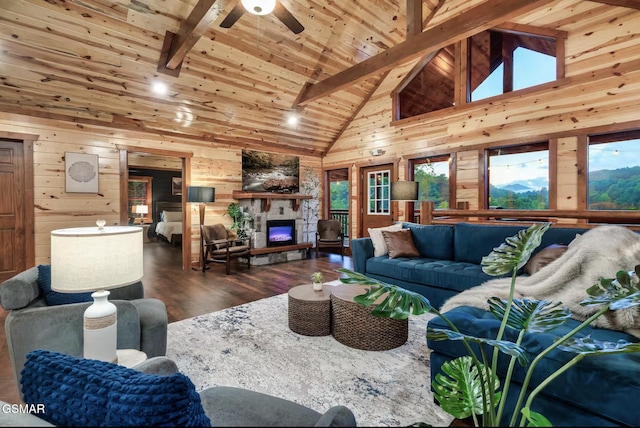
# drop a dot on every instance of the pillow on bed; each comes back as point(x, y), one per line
point(171, 216)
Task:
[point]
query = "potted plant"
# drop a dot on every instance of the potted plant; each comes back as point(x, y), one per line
point(469, 385)
point(317, 279)
point(242, 220)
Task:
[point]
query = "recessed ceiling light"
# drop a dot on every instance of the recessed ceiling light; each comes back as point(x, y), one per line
point(293, 119)
point(159, 88)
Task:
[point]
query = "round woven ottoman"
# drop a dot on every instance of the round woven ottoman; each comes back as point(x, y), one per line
point(354, 326)
point(310, 311)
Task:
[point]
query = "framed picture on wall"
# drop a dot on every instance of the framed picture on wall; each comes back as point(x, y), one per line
point(81, 172)
point(176, 186)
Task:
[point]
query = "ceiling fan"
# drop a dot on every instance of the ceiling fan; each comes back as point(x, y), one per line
point(262, 7)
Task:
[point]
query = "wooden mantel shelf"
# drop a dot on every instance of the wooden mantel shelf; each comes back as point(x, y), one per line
point(266, 198)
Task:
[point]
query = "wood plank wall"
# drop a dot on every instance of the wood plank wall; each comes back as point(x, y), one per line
point(218, 166)
point(598, 94)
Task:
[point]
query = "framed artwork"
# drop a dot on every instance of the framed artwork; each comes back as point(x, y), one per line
point(81, 172)
point(176, 186)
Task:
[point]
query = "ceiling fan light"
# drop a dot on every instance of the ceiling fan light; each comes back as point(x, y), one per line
point(259, 7)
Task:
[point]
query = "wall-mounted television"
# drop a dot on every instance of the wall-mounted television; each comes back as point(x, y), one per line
point(270, 172)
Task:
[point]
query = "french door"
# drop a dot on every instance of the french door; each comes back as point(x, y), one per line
point(375, 198)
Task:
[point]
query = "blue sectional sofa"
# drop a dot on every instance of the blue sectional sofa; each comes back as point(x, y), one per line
point(450, 257)
point(598, 391)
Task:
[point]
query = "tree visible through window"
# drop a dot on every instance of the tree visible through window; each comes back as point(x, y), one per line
point(614, 172)
point(432, 175)
point(519, 177)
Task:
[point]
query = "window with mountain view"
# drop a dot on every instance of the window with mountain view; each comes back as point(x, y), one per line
point(502, 62)
point(614, 171)
point(432, 175)
point(518, 177)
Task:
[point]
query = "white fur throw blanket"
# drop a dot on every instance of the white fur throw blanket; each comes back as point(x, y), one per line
point(599, 252)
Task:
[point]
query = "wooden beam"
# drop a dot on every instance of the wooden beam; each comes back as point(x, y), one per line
point(414, 18)
point(204, 13)
point(631, 4)
point(480, 18)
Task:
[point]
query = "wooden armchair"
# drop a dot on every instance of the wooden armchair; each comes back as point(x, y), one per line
point(329, 235)
point(219, 247)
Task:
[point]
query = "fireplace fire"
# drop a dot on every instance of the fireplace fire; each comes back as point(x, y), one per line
point(281, 232)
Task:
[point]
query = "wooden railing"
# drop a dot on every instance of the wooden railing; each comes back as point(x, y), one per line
point(343, 217)
point(575, 218)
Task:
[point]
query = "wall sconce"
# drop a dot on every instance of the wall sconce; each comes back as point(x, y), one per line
point(377, 152)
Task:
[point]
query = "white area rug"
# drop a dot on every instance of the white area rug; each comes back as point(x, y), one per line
point(251, 346)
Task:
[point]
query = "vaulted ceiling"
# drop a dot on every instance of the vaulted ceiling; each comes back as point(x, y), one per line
point(95, 61)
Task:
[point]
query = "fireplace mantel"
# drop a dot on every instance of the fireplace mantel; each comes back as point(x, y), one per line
point(266, 198)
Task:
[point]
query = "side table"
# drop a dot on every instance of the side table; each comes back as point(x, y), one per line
point(309, 310)
point(353, 325)
point(130, 357)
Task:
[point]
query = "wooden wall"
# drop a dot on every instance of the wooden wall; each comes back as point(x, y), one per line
point(214, 165)
point(599, 93)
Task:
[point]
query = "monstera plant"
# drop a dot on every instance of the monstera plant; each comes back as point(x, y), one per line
point(469, 385)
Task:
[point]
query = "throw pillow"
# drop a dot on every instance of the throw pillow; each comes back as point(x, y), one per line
point(379, 246)
point(544, 257)
point(83, 392)
point(400, 243)
point(53, 297)
point(172, 216)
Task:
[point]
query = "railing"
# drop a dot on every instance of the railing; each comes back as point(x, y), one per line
point(343, 217)
point(581, 218)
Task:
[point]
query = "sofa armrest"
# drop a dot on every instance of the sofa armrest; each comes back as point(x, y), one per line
point(337, 416)
point(361, 250)
point(164, 366)
point(153, 326)
point(20, 290)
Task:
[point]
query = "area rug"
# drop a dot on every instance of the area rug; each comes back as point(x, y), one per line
point(251, 346)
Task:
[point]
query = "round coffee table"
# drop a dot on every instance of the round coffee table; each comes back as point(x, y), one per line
point(353, 325)
point(310, 311)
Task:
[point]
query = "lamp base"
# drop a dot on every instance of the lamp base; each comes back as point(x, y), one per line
point(100, 329)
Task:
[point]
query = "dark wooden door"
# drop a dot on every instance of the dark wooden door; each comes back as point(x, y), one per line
point(375, 198)
point(13, 255)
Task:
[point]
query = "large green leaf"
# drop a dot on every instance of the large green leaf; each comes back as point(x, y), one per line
point(459, 388)
point(589, 345)
point(532, 316)
point(398, 303)
point(620, 292)
point(515, 252)
point(535, 419)
point(504, 346)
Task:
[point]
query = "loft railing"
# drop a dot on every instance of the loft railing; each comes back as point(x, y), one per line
point(567, 218)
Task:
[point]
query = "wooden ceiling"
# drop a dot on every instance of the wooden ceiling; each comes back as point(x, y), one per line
point(95, 61)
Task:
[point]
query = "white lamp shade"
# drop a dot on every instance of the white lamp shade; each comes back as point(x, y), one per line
point(404, 191)
point(88, 259)
point(141, 209)
point(259, 7)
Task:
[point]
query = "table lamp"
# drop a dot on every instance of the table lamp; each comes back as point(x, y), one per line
point(404, 190)
point(97, 259)
point(142, 210)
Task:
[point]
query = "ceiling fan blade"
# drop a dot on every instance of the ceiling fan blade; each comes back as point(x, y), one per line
point(287, 18)
point(233, 16)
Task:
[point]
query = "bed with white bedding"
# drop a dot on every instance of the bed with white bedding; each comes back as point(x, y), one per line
point(169, 224)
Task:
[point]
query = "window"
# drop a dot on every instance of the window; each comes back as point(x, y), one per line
point(502, 62)
point(613, 181)
point(432, 174)
point(378, 198)
point(140, 194)
point(518, 177)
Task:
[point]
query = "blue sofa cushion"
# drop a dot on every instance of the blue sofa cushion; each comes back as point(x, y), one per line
point(432, 241)
point(53, 297)
point(580, 387)
point(84, 392)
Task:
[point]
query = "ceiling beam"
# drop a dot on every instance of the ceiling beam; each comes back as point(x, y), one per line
point(177, 45)
point(631, 4)
point(467, 24)
point(414, 17)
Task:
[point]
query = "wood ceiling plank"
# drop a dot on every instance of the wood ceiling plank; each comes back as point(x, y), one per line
point(473, 21)
point(631, 4)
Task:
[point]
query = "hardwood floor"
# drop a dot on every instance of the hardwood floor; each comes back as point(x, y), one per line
point(190, 293)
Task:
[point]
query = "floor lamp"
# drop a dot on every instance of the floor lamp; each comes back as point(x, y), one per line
point(201, 195)
point(97, 259)
point(404, 191)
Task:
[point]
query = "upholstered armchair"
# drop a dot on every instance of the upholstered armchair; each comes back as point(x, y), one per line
point(34, 324)
point(218, 246)
point(329, 235)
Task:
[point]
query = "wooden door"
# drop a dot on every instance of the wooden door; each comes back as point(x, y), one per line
point(375, 197)
point(13, 218)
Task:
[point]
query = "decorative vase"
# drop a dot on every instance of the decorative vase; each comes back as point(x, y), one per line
point(100, 328)
point(317, 286)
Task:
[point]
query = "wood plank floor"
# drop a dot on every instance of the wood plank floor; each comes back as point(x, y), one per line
point(190, 293)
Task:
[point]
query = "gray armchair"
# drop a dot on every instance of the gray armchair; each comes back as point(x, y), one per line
point(229, 407)
point(31, 324)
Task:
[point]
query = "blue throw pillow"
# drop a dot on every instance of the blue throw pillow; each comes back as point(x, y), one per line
point(83, 392)
point(53, 297)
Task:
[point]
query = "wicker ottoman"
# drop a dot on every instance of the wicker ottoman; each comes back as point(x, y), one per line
point(310, 311)
point(354, 326)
